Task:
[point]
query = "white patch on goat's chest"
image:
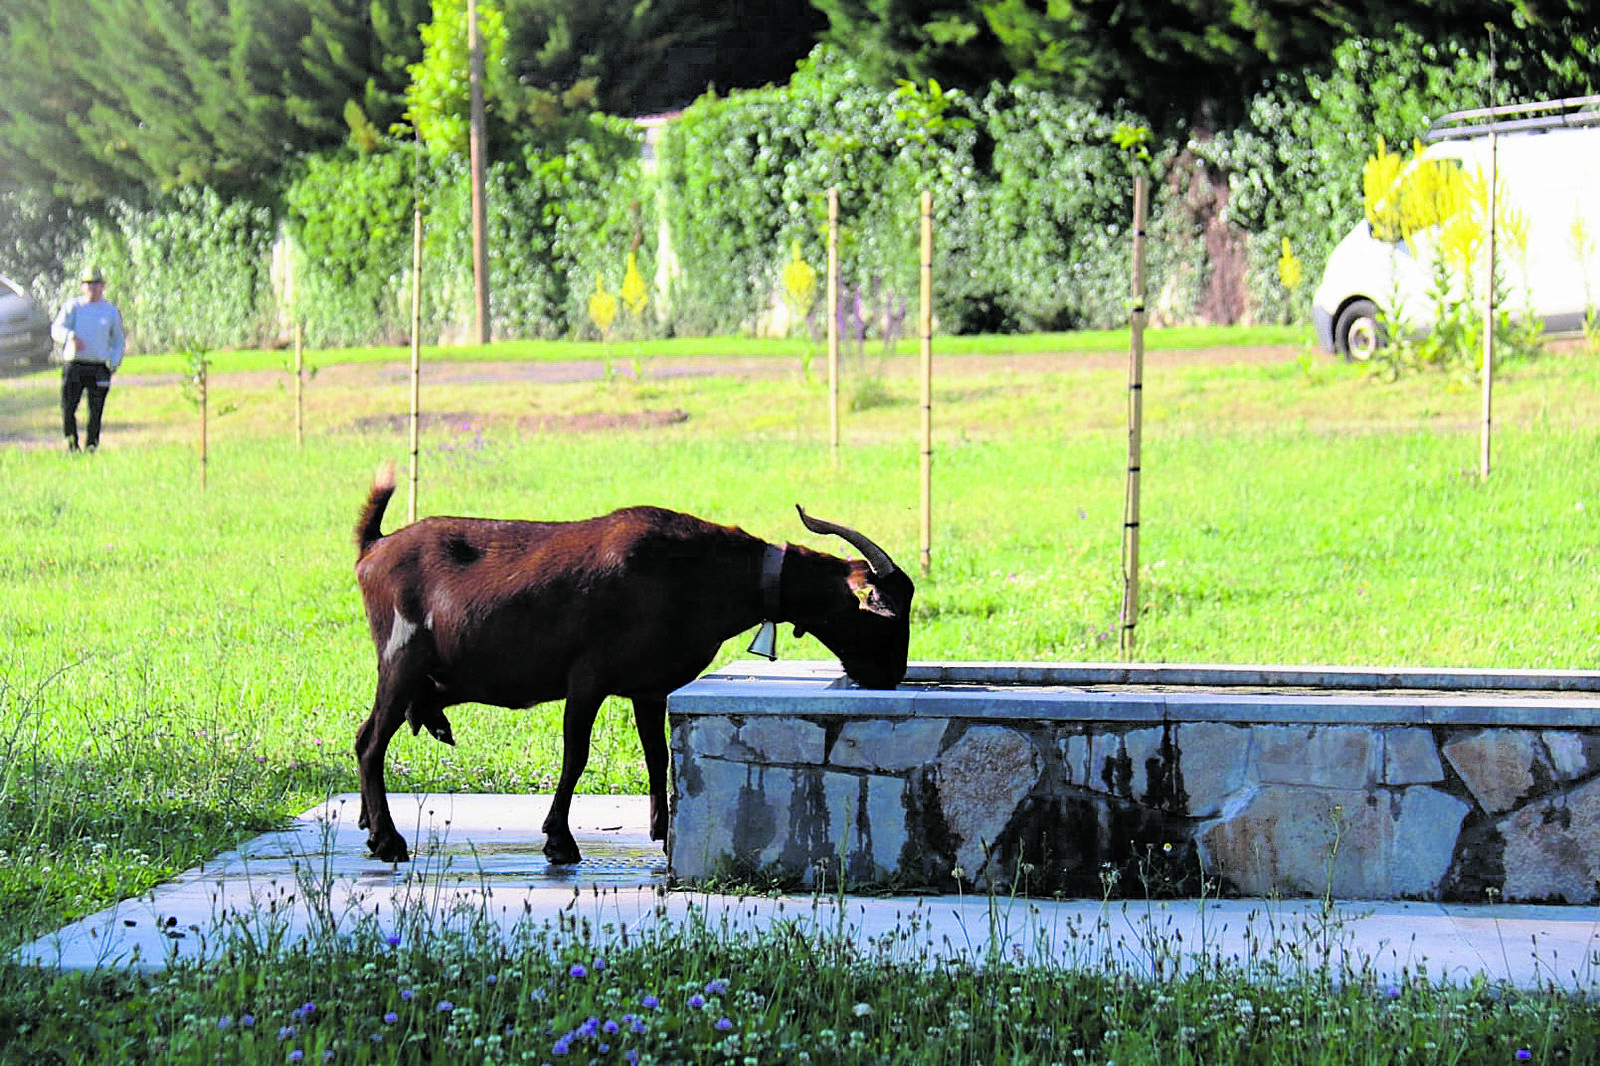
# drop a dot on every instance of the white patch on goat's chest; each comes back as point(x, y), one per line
point(400, 634)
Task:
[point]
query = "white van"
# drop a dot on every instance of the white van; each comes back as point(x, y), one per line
point(1548, 161)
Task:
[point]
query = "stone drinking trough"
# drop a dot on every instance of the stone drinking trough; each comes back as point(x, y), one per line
point(1041, 778)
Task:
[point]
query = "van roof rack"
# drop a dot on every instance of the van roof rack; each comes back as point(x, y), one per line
point(1575, 111)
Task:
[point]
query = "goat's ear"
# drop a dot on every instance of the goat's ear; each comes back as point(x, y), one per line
point(872, 601)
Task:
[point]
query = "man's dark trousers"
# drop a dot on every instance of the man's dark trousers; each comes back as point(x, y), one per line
point(77, 378)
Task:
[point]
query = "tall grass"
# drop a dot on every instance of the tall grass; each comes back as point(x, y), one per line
point(451, 987)
point(181, 667)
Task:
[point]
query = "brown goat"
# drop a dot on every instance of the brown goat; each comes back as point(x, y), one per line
point(633, 604)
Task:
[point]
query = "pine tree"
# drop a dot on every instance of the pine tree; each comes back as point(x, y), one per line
point(643, 58)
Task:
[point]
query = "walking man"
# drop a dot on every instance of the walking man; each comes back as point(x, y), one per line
point(90, 330)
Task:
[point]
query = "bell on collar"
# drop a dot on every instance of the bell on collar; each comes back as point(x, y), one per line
point(765, 643)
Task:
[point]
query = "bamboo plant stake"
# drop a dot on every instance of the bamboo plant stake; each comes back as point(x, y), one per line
point(477, 152)
point(1130, 513)
point(299, 389)
point(416, 341)
point(926, 328)
point(1488, 298)
point(833, 321)
point(201, 379)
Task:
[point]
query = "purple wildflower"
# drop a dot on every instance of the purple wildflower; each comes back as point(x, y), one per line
point(724, 1024)
point(650, 1003)
point(696, 1001)
point(578, 970)
point(445, 1006)
point(1524, 1055)
point(390, 1018)
point(716, 988)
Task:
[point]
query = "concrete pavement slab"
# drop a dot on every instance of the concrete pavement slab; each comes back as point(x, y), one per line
point(478, 857)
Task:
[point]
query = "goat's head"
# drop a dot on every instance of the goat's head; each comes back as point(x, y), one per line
point(870, 629)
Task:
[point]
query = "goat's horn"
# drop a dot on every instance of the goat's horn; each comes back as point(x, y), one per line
point(876, 557)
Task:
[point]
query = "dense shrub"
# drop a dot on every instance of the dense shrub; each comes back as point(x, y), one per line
point(189, 268)
point(554, 220)
point(350, 215)
point(1293, 165)
point(1032, 204)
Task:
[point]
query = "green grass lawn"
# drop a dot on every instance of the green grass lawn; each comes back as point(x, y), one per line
point(182, 666)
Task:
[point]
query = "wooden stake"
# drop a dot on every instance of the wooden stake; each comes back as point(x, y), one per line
point(833, 321)
point(926, 327)
point(1130, 513)
point(204, 374)
point(476, 137)
point(416, 349)
point(299, 389)
point(1488, 299)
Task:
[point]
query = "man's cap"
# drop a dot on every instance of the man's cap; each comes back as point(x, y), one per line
point(92, 274)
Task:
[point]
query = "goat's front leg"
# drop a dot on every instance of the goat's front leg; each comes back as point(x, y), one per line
point(577, 723)
point(372, 744)
point(650, 717)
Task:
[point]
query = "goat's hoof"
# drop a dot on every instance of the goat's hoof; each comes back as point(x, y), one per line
point(658, 832)
point(562, 853)
point(393, 850)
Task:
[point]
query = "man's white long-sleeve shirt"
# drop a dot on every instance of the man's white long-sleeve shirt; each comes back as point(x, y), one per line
point(98, 324)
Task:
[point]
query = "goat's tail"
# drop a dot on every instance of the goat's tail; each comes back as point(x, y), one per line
point(369, 525)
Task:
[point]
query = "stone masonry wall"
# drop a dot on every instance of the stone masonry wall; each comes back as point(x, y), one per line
point(1364, 811)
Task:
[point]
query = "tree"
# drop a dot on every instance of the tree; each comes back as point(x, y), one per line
point(438, 98)
point(949, 41)
point(644, 58)
point(356, 57)
point(159, 94)
point(44, 89)
point(1171, 57)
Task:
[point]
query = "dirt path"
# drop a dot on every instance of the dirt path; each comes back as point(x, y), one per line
point(354, 375)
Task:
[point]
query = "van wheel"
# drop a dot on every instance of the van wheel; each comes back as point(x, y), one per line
point(1359, 334)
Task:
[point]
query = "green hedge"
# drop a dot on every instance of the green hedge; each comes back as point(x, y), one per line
point(188, 269)
point(554, 221)
point(1032, 209)
point(1032, 198)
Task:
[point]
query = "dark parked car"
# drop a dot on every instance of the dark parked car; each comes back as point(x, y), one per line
point(24, 330)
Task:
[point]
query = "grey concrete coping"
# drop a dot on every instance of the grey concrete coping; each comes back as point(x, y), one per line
point(1159, 692)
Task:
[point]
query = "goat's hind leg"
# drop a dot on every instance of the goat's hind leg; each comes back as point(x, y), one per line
point(372, 745)
point(650, 717)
